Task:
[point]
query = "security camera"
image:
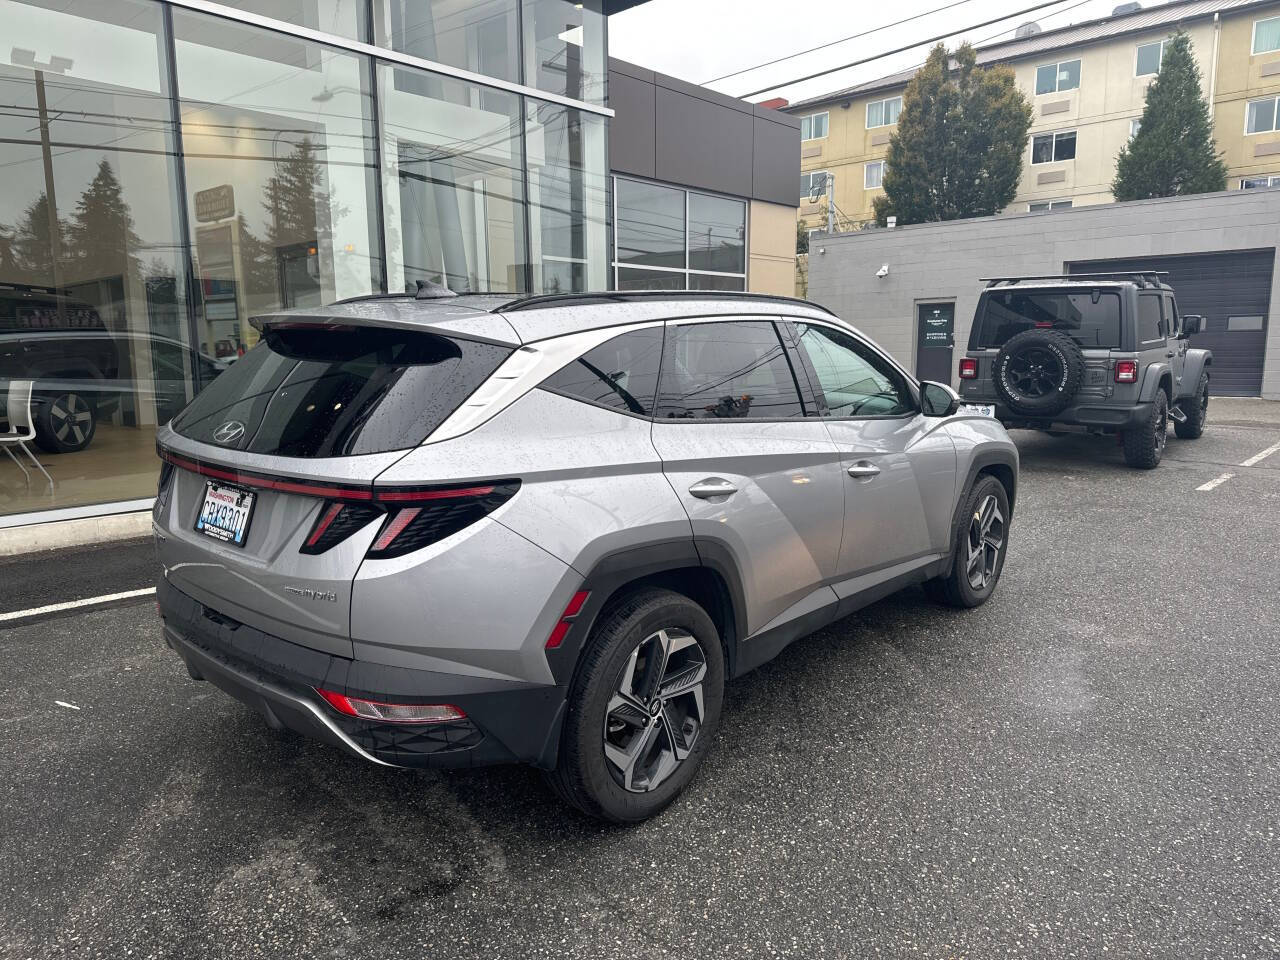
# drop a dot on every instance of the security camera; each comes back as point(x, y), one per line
point(883, 271)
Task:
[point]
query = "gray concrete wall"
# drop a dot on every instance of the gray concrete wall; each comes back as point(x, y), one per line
point(943, 261)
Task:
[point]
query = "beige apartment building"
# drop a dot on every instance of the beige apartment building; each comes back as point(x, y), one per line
point(1087, 85)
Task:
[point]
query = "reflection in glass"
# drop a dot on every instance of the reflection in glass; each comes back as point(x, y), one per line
point(91, 283)
point(452, 184)
point(565, 48)
point(567, 175)
point(342, 18)
point(278, 137)
point(717, 234)
point(650, 224)
point(477, 35)
point(710, 281)
point(630, 278)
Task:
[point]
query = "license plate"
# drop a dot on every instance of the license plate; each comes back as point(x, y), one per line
point(978, 409)
point(226, 512)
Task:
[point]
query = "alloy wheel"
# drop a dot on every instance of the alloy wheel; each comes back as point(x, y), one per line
point(656, 712)
point(1035, 373)
point(1162, 430)
point(71, 417)
point(985, 541)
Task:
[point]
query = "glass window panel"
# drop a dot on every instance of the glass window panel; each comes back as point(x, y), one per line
point(1266, 35)
point(732, 370)
point(651, 228)
point(1038, 206)
point(854, 381)
point(1261, 116)
point(564, 50)
point(1042, 148)
point(1149, 322)
point(342, 18)
point(477, 35)
point(91, 277)
point(278, 137)
point(1047, 78)
point(621, 374)
point(1064, 146)
point(452, 183)
point(706, 281)
point(567, 177)
point(1149, 55)
point(873, 175)
point(1069, 75)
point(892, 110)
point(634, 278)
point(875, 114)
point(717, 234)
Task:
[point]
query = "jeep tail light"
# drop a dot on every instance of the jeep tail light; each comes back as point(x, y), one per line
point(968, 368)
point(1126, 371)
point(391, 712)
point(571, 611)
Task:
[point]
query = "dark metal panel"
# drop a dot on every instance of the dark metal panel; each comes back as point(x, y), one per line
point(775, 162)
point(633, 129)
point(701, 144)
point(1218, 286)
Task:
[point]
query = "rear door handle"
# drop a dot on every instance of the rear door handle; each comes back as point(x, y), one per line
point(712, 487)
point(863, 470)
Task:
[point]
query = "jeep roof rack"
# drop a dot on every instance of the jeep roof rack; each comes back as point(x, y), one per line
point(541, 301)
point(1143, 278)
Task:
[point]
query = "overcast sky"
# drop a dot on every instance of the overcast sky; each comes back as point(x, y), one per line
point(699, 40)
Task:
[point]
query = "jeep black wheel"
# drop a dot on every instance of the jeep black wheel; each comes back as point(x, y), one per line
point(1196, 410)
point(66, 423)
point(979, 542)
point(643, 709)
point(1038, 372)
point(1144, 446)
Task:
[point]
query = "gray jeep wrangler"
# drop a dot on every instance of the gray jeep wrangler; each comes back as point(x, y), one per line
point(1104, 352)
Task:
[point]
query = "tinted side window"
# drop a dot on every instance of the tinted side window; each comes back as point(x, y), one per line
point(1172, 327)
point(621, 374)
point(854, 380)
point(730, 370)
point(1150, 324)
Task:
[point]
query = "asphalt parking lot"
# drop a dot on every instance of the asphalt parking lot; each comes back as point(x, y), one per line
point(1088, 765)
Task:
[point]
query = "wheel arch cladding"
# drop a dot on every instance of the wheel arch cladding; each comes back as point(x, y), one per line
point(1004, 473)
point(1154, 379)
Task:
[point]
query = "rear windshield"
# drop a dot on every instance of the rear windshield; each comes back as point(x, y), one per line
point(1091, 318)
point(336, 392)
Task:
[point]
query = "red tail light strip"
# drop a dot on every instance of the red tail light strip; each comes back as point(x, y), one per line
point(420, 496)
point(329, 516)
point(393, 529)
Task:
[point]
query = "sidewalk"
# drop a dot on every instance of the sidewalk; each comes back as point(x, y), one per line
point(1243, 412)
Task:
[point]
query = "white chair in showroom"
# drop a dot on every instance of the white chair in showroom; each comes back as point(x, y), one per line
point(21, 427)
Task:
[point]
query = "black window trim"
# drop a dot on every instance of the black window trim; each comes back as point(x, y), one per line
point(912, 384)
point(629, 328)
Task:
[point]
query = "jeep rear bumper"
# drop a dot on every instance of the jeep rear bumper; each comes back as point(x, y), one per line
point(504, 723)
point(1104, 418)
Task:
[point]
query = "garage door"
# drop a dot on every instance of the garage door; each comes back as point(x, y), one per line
point(1233, 292)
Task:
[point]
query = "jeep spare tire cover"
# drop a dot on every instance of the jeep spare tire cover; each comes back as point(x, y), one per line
point(1039, 372)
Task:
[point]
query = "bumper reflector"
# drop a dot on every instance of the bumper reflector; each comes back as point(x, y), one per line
point(566, 619)
point(391, 712)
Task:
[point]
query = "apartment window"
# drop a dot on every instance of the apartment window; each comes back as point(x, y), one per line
point(883, 113)
point(814, 127)
point(1053, 147)
point(1260, 115)
point(1134, 126)
point(873, 175)
point(1039, 205)
point(1259, 183)
point(1266, 35)
point(1057, 77)
point(813, 183)
point(1149, 57)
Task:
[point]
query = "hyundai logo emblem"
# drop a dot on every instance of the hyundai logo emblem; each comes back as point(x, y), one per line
point(229, 432)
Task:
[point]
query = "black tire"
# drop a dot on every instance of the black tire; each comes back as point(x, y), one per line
point(1144, 446)
point(958, 587)
point(66, 422)
point(1196, 410)
point(1038, 373)
point(584, 777)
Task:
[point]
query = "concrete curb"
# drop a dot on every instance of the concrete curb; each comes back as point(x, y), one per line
point(74, 533)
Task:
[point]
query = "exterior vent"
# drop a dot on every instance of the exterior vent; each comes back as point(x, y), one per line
point(1126, 8)
point(1029, 29)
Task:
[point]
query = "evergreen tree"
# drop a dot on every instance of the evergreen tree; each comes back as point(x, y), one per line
point(1173, 152)
point(32, 247)
point(100, 238)
point(958, 148)
point(292, 196)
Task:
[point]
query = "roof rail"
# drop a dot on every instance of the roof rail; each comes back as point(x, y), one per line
point(1143, 278)
point(546, 300)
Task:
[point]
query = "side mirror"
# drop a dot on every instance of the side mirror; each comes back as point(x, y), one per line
point(1192, 323)
point(938, 399)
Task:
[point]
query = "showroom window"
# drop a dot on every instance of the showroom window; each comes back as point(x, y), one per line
point(1148, 58)
point(1266, 35)
point(1260, 115)
point(814, 127)
point(1053, 147)
point(883, 113)
point(668, 238)
point(1057, 77)
point(343, 18)
point(873, 175)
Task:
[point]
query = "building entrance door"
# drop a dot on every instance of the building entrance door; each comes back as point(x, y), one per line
point(935, 336)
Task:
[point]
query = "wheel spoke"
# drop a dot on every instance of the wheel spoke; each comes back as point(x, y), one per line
point(626, 759)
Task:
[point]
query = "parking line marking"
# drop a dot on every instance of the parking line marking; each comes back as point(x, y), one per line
point(73, 604)
point(1216, 482)
point(1259, 457)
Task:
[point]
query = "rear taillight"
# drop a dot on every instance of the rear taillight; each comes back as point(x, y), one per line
point(1126, 371)
point(391, 712)
point(968, 368)
point(417, 518)
point(335, 522)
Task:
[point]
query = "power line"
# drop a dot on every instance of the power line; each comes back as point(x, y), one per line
point(904, 49)
point(854, 36)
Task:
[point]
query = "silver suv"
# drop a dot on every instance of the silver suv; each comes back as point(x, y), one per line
point(454, 530)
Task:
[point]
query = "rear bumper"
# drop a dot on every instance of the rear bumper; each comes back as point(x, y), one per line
point(1129, 417)
point(505, 722)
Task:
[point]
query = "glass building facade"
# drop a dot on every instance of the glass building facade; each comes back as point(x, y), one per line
point(171, 169)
